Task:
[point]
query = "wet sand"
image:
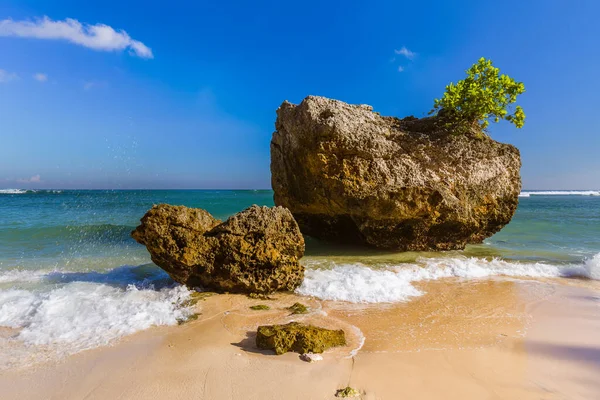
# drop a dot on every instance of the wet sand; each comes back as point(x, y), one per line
point(488, 339)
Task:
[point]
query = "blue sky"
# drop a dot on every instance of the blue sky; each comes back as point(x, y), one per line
point(187, 98)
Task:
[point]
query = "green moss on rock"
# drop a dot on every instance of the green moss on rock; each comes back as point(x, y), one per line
point(299, 338)
point(298, 308)
point(260, 307)
point(347, 392)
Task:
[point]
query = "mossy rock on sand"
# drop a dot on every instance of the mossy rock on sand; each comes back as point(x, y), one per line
point(347, 392)
point(195, 297)
point(260, 296)
point(192, 317)
point(298, 337)
point(298, 308)
point(260, 307)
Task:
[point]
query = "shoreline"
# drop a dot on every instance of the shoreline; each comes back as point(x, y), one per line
point(494, 338)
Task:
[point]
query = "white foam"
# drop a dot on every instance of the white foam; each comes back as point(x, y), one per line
point(16, 307)
point(361, 341)
point(23, 275)
point(23, 191)
point(13, 191)
point(360, 284)
point(357, 284)
point(83, 315)
point(592, 267)
point(560, 193)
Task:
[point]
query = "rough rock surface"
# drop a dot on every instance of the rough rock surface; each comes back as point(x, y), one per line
point(350, 175)
point(255, 251)
point(298, 337)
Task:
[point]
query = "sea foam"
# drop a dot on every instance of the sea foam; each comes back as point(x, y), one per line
point(560, 193)
point(24, 191)
point(72, 311)
point(18, 275)
point(12, 191)
point(75, 314)
point(358, 283)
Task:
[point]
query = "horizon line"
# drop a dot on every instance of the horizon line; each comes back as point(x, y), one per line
point(59, 188)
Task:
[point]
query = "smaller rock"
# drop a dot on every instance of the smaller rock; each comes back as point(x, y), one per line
point(347, 392)
point(255, 251)
point(310, 357)
point(298, 308)
point(260, 296)
point(195, 297)
point(298, 337)
point(260, 307)
point(192, 317)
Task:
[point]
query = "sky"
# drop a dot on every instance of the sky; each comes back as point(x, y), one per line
point(135, 94)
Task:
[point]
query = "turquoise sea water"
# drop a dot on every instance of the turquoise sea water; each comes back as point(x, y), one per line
point(72, 278)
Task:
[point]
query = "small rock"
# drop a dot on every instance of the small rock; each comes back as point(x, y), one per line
point(298, 337)
point(260, 307)
point(347, 392)
point(189, 318)
point(298, 308)
point(310, 357)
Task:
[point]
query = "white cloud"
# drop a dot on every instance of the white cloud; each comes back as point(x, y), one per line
point(40, 77)
point(98, 37)
point(400, 69)
point(33, 179)
point(406, 53)
point(6, 76)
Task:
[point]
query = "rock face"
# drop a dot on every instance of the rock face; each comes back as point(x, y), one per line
point(350, 175)
point(298, 337)
point(255, 251)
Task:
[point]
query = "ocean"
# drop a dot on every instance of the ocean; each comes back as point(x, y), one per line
point(71, 277)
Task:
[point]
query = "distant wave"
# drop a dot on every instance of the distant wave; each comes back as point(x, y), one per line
point(29, 191)
point(15, 191)
point(560, 193)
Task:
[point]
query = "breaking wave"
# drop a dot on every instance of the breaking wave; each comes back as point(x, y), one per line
point(358, 283)
point(29, 191)
point(83, 310)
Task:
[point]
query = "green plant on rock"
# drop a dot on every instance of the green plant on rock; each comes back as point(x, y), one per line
point(483, 95)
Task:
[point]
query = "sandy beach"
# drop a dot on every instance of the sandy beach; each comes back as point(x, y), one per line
point(490, 339)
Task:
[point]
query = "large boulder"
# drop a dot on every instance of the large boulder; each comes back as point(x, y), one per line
point(255, 251)
point(350, 175)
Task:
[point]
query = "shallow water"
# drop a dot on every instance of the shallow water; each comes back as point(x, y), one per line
point(72, 278)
